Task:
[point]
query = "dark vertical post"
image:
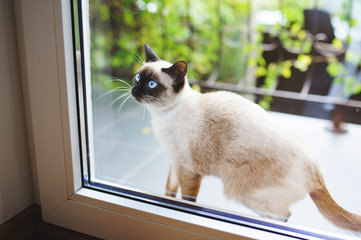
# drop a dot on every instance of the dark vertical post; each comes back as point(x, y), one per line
point(337, 120)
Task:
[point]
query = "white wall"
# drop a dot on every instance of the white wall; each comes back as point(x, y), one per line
point(16, 184)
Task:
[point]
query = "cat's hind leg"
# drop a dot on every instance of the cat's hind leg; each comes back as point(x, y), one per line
point(271, 203)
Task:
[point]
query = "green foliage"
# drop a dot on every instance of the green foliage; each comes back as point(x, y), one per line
point(295, 39)
point(335, 67)
point(211, 35)
point(286, 69)
point(176, 30)
point(357, 88)
point(266, 102)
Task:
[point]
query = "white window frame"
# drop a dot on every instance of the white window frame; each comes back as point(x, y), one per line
point(47, 63)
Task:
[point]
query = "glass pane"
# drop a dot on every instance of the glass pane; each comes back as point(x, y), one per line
point(297, 59)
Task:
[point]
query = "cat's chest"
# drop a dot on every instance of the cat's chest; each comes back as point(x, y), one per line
point(172, 130)
point(165, 125)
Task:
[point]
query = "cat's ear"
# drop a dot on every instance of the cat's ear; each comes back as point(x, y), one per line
point(150, 54)
point(178, 72)
point(179, 69)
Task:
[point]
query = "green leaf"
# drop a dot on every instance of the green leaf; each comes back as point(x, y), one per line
point(349, 84)
point(352, 22)
point(296, 27)
point(261, 71)
point(335, 68)
point(338, 80)
point(357, 89)
point(252, 62)
point(196, 87)
point(302, 35)
point(260, 28)
point(286, 69)
point(264, 104)
point(272, 67)
point(307, 46)
point(271, 76)
point(288, 43)
point(303, 61)
point(248, 48)
point(287, 63)
point(262, 61)
point(278, 26)
point(337, 44)
point(286, 72)
point(260, 38)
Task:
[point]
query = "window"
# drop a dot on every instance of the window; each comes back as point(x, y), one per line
point(115, 180)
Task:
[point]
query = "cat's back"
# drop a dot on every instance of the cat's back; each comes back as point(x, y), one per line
point(224, 101)
point(228, 107)
point(235, 122)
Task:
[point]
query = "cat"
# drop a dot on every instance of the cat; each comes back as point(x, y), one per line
point(262, 165)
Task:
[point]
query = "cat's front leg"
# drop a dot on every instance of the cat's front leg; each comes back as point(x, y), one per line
point(172, 183)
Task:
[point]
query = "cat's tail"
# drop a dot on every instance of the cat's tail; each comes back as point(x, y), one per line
point(331, 210)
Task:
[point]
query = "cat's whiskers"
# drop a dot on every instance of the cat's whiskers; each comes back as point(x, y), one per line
point(120, 80)
point(138, 59)
point(119, 108)
point(118, 98)
point(141, 114)
point(115, 79)
point(145, 112)
point(118, 89)
point(125, 89)
point(151, 99)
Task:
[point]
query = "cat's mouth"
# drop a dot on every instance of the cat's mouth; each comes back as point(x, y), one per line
point(138, 99)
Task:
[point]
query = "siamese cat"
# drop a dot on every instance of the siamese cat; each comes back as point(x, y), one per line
point(261, 165)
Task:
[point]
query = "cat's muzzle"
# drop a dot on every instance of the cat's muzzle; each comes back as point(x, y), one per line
point(135, 93)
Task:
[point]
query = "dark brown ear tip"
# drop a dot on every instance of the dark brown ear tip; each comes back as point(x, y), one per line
point(183, 65)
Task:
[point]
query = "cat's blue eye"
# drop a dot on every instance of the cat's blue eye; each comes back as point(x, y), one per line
point(152, 84)
point(137, 77)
